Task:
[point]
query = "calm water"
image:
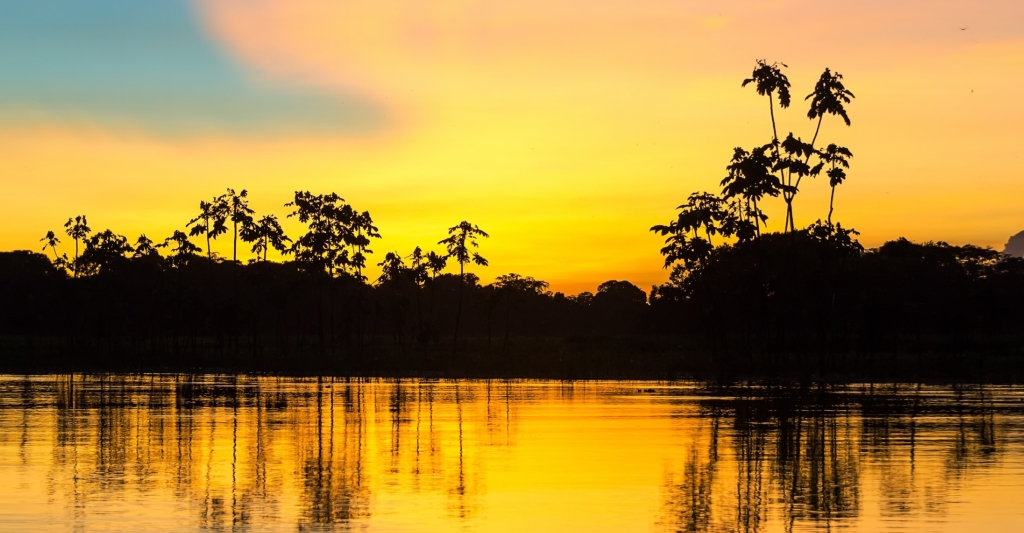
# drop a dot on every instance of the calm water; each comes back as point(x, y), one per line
point(224, 453)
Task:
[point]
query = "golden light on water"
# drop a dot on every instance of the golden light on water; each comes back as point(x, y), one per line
point(170, 454)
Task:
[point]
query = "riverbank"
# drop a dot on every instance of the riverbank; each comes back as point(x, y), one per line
point(932, 359)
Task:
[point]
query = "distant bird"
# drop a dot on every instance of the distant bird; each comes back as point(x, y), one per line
point(963, 29)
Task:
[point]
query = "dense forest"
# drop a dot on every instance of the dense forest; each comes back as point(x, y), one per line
point(800, 302)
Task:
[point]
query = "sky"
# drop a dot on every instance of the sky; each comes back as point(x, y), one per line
point(564, 128)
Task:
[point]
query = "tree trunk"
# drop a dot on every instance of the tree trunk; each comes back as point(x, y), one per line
point(458, 312)
point(831, 202)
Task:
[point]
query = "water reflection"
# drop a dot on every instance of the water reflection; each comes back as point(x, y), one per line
point(800, 456)
point(236, 453)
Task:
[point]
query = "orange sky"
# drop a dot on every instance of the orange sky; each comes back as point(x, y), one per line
point(564, 128)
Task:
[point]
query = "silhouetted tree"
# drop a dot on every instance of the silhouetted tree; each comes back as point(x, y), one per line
point(460, 239)
point(838, 160)
point(265, 233)
point(183, 249)
point(78, 229)
point(51, 241)
point(513, 284)
point(144, 247)
point(211, 222)
point(329, 221)
point(103, 251)
point(791, 158)
point(750, 177)
point(358, 237)
point(236, 208)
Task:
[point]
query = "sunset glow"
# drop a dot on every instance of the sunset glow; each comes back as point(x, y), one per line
point(564, 128)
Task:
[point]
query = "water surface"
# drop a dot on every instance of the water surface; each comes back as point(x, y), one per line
point(228, 453)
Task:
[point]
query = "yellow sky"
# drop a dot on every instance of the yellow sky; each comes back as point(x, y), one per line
point(564, 128)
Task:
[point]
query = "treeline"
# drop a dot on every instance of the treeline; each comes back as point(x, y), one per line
point(741, 300)
point(794, 304)
point(154, 312)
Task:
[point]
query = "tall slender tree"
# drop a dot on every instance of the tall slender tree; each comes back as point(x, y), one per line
point(358, 237)
point(78, 229)
point(236, 208)
point(461, 238)
point(791, 158)
point(838, 160)
point(211, 221)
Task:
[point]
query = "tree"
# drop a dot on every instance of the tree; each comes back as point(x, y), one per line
point(513, 284)
point(51, 241)
point(78, 229)
point(435, 263)
point(751, 178)
point(183, 249)
point(328, 219)
point(769, 80)
point(838, 160)
point(144, 247)
point(265, 233)
point(211, 222)
point(460, 239)
point(103, 251)
point(236, 208)
point(392, 268)
point(791, 158)
point(358, 237)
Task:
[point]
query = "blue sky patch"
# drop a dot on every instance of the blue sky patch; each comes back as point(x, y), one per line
point(148, 64)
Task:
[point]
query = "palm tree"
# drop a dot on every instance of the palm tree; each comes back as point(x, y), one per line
point(78, 229)
point(210, 222)
point(460, 239)
point(236, 207)
point(838, 159)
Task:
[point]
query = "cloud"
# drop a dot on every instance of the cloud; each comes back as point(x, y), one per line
point(1015, 246)
point(148, 65)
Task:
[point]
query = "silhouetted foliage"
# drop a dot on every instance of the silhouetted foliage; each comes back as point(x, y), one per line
point(740, 300)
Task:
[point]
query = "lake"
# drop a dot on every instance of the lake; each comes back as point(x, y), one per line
point(161, 453)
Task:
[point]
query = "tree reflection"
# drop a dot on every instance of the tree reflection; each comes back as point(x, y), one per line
point(814, 447)
point(237, 452)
